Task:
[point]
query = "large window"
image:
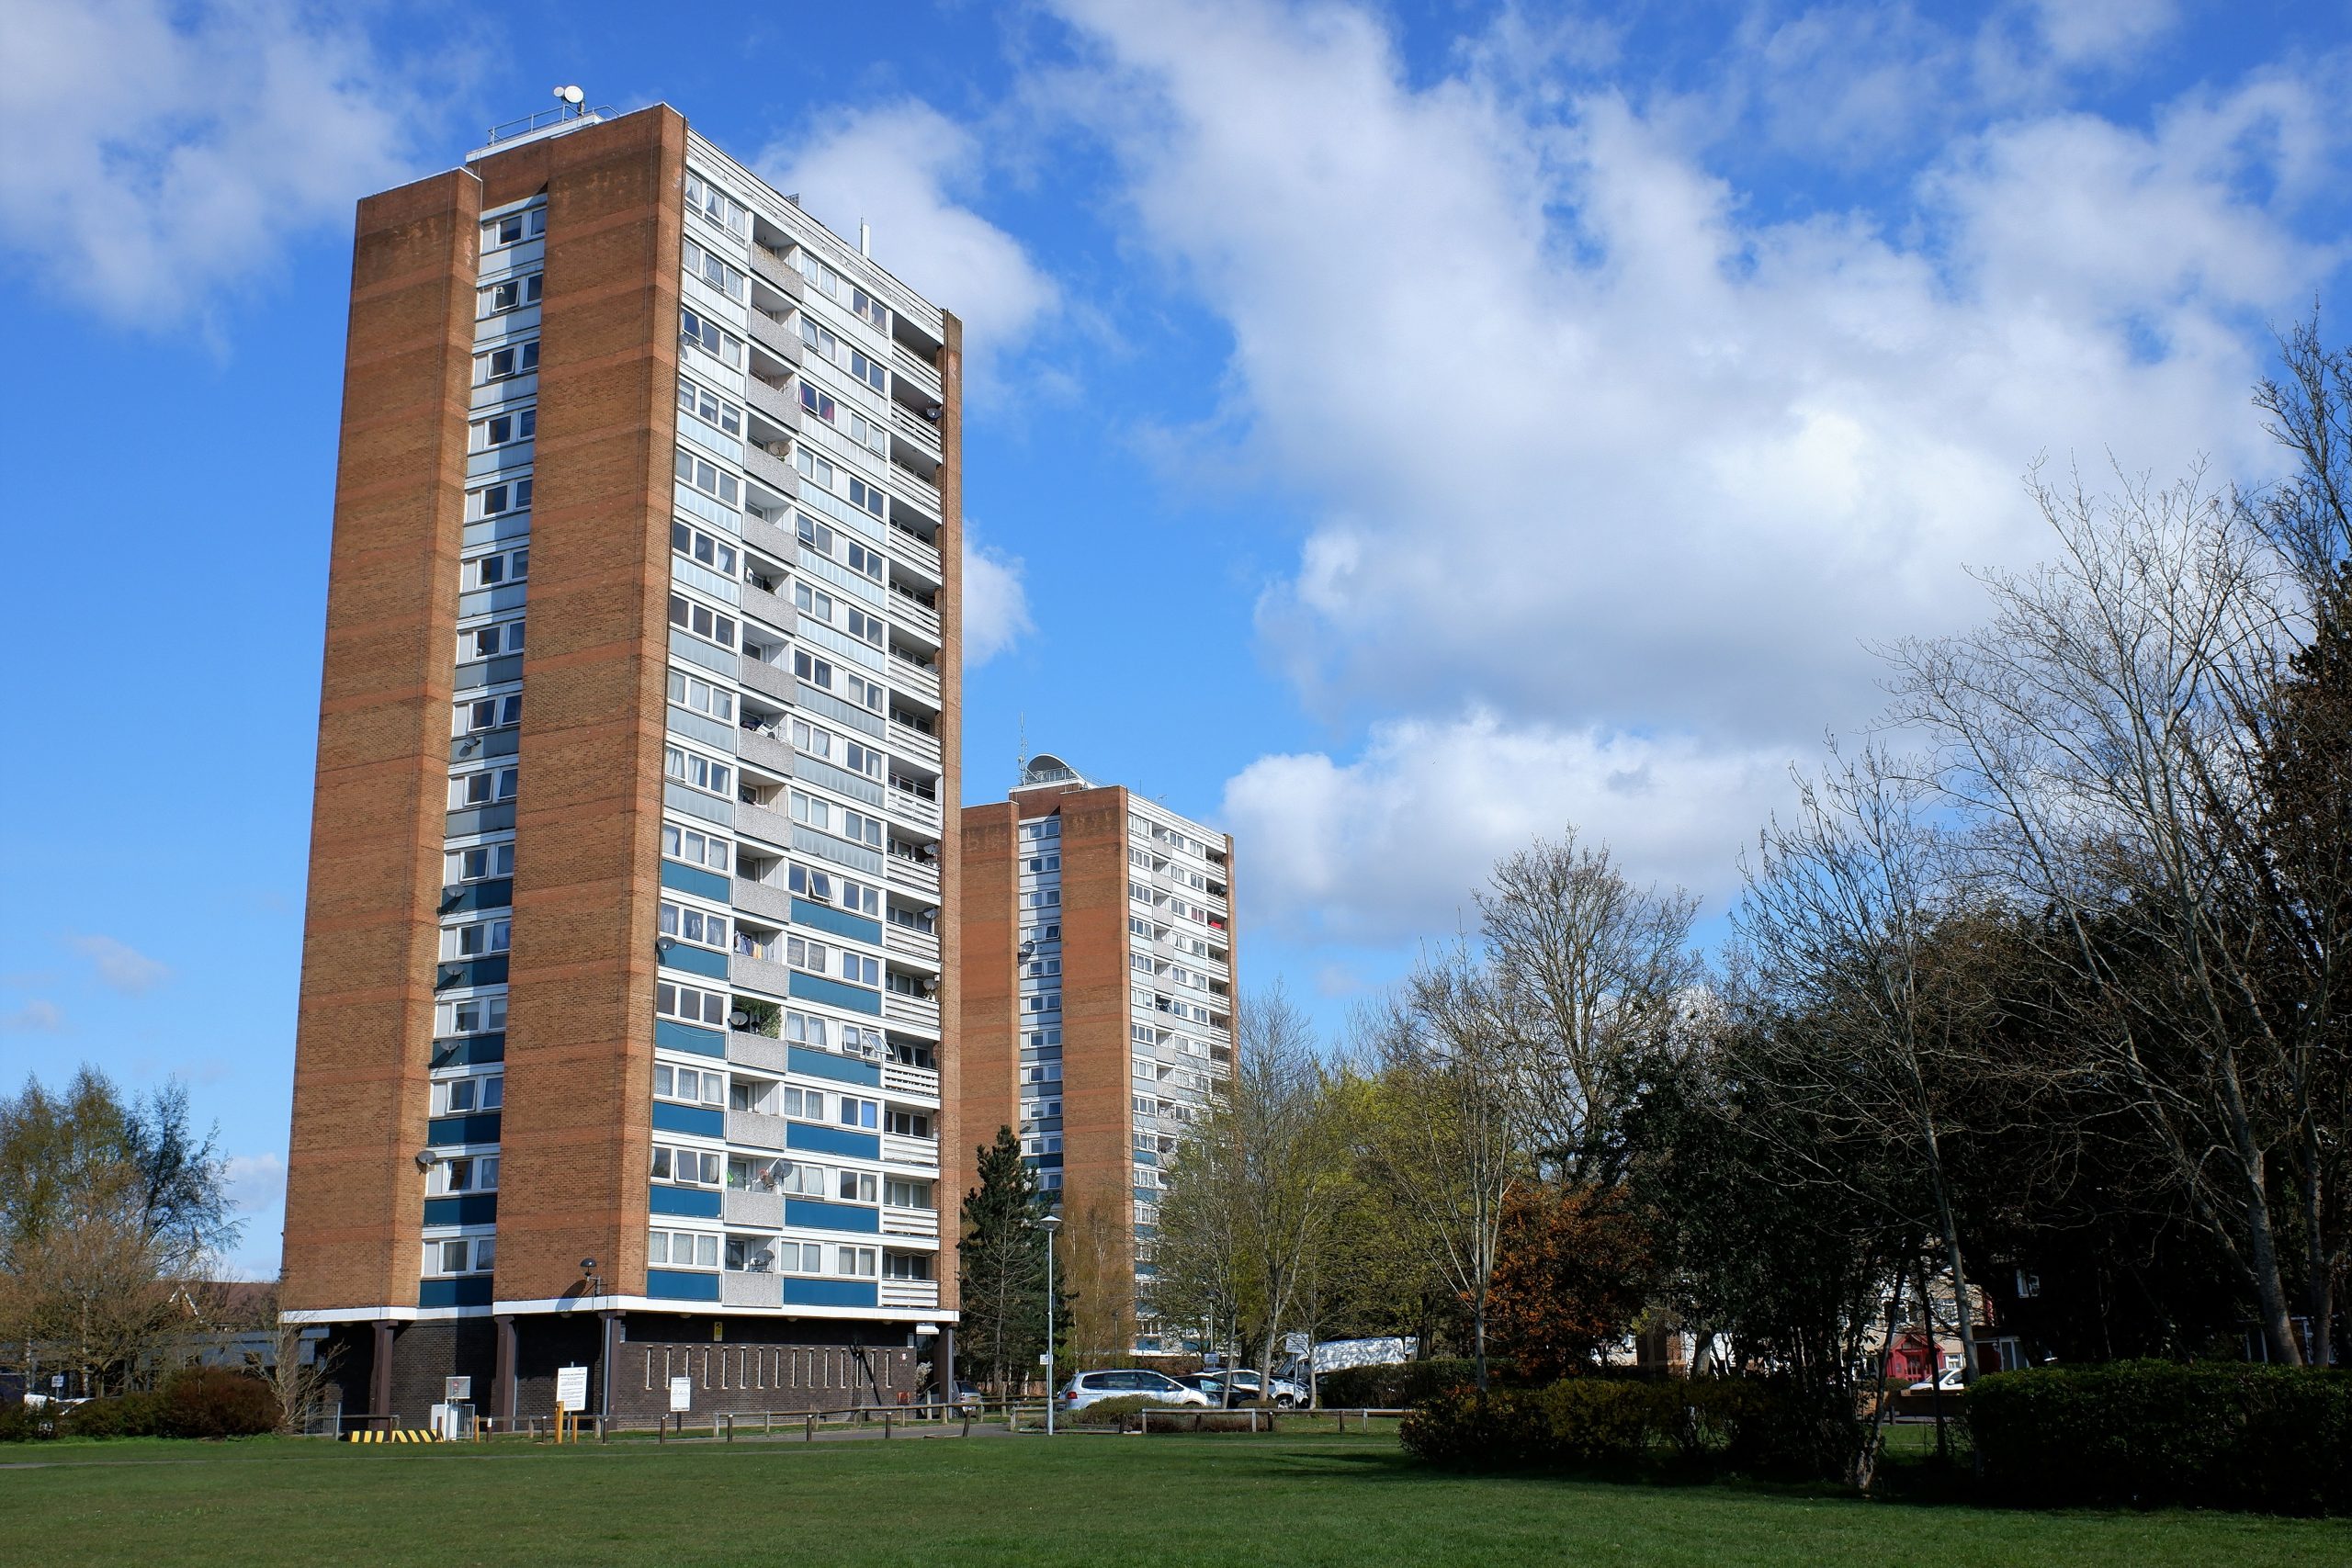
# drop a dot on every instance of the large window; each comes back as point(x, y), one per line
point(487, 787)
point(477, 940)
point(511, 294)
point(697, 331)
point(689, 1004)
point(462, 1255)
point(489, 571)
point(464, 1173)
point(488, 713)
point(857, 1112)
point(700, 620)
point(708, 202)
point(699, 927)
point(855, 1261)
point(857, 1187)
point(463, 1097)
point(681, 1249)
point(697, 772)
point(899, 1192)
point(474, 1015)
point(697, 695)
point(905, 1266)
point(508, 362)
point(708, 549)
point(710, 408)
point(824, 888)
point(687, 1167)
point(502, 429)
point(708, 477)
point(478, 862)
point(696, 847)
point(498, 500)
point(907, 1124)
point(708, 268)
point(689, 1085)
point(497, 233)
point(489, 641)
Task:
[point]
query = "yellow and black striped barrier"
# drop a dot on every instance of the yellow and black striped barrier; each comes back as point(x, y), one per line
point(394, 1434)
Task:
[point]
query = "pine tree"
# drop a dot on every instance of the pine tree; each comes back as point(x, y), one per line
point(1002, 1255)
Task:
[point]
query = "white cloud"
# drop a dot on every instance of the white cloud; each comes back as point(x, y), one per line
point(35, 1017)
point(255, 1183)
point(120, 966)
point(995, 601)
point(1387, 847)
point(158, 153)
point(901, 169)
point(1601, 453)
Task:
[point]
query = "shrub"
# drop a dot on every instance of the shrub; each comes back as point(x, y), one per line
point(213, 1402)
point(123, 1415)
point(2152, 1434)
point(1750, 1425)
point(26, 1423)
point(1116, 1412)
point(1407, 1383)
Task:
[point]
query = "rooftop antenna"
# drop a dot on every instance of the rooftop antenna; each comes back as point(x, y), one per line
point(1021, 763)
point(571, 97)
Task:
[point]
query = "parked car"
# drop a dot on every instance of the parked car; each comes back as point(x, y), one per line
point(1952, 1381)
point(1248, 1388)
point(1088, 1388)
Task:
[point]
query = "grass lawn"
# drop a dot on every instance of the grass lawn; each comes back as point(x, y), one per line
point(1349, 1502)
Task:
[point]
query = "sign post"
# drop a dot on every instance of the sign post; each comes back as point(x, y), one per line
point(682, 1399)
point(571, 1397)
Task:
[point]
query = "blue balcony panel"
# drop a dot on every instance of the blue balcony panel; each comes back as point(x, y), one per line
point(495, 894)
point(464, 1208)
point(815, 1214)
point(681, 1285)
point(672, 1035)
point(480, 1128)
point(469, 1050)
point(699, 961)
point(840, 1069)
point(840, 922)
point(695, 880)
point(829, 1293)
point(686, 1202)
point(815, 1137)
point(472, 1291)
point(690, 1119)
point(835, 993)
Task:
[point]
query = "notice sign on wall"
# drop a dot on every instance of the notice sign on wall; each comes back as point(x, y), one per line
point(571, 1387)
point(681, 1393)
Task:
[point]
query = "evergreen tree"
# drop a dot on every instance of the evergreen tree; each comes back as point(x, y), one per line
point(1002, 1255)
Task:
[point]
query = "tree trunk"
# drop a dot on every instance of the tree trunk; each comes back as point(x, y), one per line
point(1935, 1368)
point(1478, 1332)
point(2262, 1242)
point(1866, 1463)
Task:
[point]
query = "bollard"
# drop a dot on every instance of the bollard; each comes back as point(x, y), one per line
point(812, 1427)
point(885, 1424)
point(731, 1428)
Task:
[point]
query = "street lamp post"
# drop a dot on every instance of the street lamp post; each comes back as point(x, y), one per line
point(1049, 1224)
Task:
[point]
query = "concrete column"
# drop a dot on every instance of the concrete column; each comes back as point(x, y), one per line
point(501, 1384)
point(379, 1370)
point(608, 1353)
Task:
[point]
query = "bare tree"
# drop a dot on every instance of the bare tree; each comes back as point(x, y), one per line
point(2104, 732)
point(1289, 1157)
point(1589, 969)
point(1851, 923)
point(1449, 1139)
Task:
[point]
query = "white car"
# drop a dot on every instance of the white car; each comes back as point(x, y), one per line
point(1952, 1381)
point(1089, 1388)
point(1248, 1387)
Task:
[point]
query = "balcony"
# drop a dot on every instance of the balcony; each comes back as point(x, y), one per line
point(756, 1129)
point(921, 1082)
point(915, 547)
point(764, 823)
point(906, 606)
point(767, 752)
point(906, 739)
point(916, 490)
point(920, 1153)
point(910, 1222)
point(921, 946)
point(919, 876)
point(917, 431)
point(910, 1292)
point(774, 333)
point(762, 974)
point(921, 1011)
point(760, 899)
point(770, 268)
point(768, 679)
point(922, 378)
point(764, 1051)
point(757, 1210)
point(746, 1289)
point(771, 469)
point(769, 538)
point(773, 402)
point(915, 808)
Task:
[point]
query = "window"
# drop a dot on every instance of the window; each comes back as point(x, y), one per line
point(868, 694)
point(826, 346)
point(813, 534)
point(1042, 897)
point(502, 429)
point(701, 620)
point(1041, 1001)
point(900, 1193)
point(512, 294)
point(869, 371)
point(708, 477)
point(824, 888)
point(476, 1015)
point(686, 1167)
point(861, 1042)
point(1045, 862)
point(462, 1255)
point(818, 470)
point(907, 1124)
point(864, 829)
point(479, 863)
point(488, 713)
point(801, 1028)
point(856, 1187)
point(820, 276)
point(1039, 968)
point(477, 940)
point(861, 559)
point(866, 627)
point(498, 500)
point(697, 695)
point(710, 408)
point(905, 1266)
point(821, 404)
point(706, 201)
point(697, 772)
point(855, 1112)
point(865, 496)
point(813, 669)
point(805, 1104)
point(810, 812)
point(465, 1173)
point(689, 1085)
point(505, 364)
point(689, 1003)
point(681, 1249)
point(696, 847)
point(698, 926)
point(695, 330)
point(857, 1261)
point(800, 1258)
point(463, 1097)
point(812, 602)
point(708, 268)
point(867, 306)
point(489, 571)
point(713, 552)
point(489, 641)
point(858, 969)
point(1044, 828)
point(497, 233)
point(802, 953)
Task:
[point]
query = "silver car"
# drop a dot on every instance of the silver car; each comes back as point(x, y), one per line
point(1125, 1382)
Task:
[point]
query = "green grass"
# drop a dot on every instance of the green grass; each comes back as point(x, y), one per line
point(1351, 1501)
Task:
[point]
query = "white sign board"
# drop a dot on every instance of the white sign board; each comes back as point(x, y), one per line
point(681, 1393)
point(1044, 1359)
point(456, 1391)
point(571, 1387)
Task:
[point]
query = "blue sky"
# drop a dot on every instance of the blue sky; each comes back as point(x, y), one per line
point(1396, 432)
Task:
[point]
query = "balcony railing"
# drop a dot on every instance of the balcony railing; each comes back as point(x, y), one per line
point(910, 1222)
point(922, 1153)
point(910, 1292)
point(920, 1081)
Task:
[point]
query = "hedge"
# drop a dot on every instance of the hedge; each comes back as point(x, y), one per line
point(194, 1401)
point(2155, 1434)
point(1750, 1425)
point(1406, 1382)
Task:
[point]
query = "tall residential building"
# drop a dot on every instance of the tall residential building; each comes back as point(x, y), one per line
point(619, 1042)
point(1095, 1013)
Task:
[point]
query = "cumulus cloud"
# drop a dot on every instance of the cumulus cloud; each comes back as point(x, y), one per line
point(1387, 846)
point(120, 966)
point(35, 1017)
point(255, 1183)
point(995, 601)
point(159, 154)
point(904, 169)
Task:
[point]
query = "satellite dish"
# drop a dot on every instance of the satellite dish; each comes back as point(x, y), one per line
point(571, 95)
